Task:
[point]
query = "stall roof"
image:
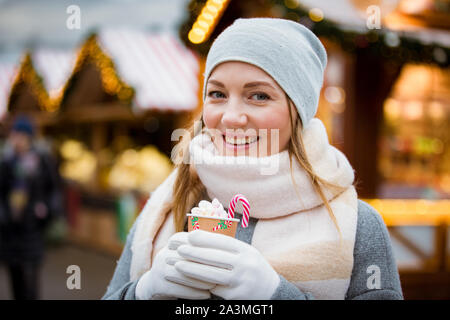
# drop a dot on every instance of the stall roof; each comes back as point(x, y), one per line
point(54, 67)
point(46, 70)
point(352, 15)
point(162, 71)
point(339, 11)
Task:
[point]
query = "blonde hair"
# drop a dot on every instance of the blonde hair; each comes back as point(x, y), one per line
point(188, 188)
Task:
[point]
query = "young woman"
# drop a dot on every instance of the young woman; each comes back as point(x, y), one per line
point(309, 237)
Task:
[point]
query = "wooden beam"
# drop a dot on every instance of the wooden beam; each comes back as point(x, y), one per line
point(368, 83)
point(98, 113)
point(440, 246)
point(410, 245)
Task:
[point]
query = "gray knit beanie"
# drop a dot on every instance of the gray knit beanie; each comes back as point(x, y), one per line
point(289, 52)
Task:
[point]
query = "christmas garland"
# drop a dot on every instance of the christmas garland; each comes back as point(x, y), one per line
point(391, 45)
point(28, 75)
point(111, 82)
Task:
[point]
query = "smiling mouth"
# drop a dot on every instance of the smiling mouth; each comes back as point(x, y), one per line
point(240, 141)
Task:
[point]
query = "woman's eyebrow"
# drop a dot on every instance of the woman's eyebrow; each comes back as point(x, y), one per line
point(217, 83)
point(258, 83)
point(247, 85)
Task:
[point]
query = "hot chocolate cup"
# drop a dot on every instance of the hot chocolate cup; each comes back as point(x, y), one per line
point(225, 226)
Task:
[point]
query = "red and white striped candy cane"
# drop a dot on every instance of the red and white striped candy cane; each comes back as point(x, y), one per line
point(228, 224)
point(245, 205)
point(196, 225)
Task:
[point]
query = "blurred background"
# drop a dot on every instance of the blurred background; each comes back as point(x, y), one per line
point(106, 82)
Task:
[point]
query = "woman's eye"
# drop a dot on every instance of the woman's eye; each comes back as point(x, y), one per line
point(261, 96)
point(219, 95)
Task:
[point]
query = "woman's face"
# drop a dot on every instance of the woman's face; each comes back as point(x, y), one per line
point(246, 111)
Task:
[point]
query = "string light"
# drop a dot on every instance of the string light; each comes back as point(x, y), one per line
point(111, 82)
point(79, 163)
point(28, 75)
point(391, 46)
point(207, 20)
point(316, 15)
point(90, 52)
point(292, 4)
point(142, 170)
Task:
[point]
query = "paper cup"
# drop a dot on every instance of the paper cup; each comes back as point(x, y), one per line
point(213, 224)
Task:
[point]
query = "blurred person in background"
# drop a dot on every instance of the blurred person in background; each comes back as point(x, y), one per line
point(30, 197)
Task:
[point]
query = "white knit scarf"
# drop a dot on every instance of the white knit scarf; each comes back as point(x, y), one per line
point(294, 232)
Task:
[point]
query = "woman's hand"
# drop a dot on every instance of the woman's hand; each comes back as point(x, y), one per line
point(238, 269)
point(163, 281)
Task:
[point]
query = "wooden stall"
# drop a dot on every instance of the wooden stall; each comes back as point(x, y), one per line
point(385, 104)
point(110, 119)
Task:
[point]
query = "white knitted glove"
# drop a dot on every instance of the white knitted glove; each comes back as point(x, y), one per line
point(162, 281)
point(238, 269)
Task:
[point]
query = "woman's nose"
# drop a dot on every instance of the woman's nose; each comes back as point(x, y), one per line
point(234, 116)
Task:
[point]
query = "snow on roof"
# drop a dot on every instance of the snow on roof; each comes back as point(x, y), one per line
point(163, 72)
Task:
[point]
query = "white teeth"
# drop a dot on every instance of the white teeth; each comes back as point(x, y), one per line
point(240, 140)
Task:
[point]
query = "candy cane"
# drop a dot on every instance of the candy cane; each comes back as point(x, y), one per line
point(195, 223)
point(245, 204)
point(220, 226)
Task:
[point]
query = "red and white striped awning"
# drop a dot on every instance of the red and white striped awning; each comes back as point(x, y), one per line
point(163, 72)
point(55, 68)
point(8, 73)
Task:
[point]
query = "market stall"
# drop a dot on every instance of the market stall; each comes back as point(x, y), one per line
point(34, 86)
point(128, 91)
point(385, 104)
point(109, 109)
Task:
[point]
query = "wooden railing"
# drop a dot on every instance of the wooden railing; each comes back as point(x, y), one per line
point(418, 212)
